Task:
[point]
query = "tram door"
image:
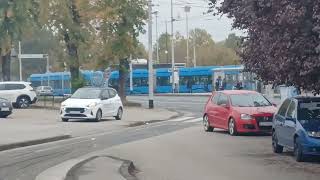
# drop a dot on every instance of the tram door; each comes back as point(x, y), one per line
point(216, 75)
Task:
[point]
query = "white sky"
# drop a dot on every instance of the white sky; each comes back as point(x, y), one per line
point(218, 27)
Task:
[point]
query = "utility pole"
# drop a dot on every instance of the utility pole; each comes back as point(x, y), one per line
point(20, 63)
point(194, 54)
point(150, 62)
point(131, 74)
point(172, 51)
point(157, 38)
point(167, 50)
point(187, 10)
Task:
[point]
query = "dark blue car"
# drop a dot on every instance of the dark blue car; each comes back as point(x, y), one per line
point(296, 126)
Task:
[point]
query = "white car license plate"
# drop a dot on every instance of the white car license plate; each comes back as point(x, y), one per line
point(5, 109)
point(265, 123)
point(74, 112)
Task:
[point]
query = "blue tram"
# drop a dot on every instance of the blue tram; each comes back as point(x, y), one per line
point(196, 80)
point(60, 81)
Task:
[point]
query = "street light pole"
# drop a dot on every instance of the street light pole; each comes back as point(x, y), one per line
point(187, 10)
point(20, 63)
point(150, 62)
point(167, 50)
point(157, 38)
point(172, 51)
point(194, 54)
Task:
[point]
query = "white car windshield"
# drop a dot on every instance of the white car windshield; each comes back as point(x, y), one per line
point(86, 93)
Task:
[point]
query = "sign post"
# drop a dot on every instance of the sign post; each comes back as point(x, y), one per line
point(31, 56)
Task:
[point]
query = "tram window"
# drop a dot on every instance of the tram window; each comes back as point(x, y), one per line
point(36, 83)
point(113, 82)
point(163, 81)
point(55, 84)
point(231, 78)
point(184, 80)
point(137, 82)
point(202, 80)
point(66, 84)
point(144, 82)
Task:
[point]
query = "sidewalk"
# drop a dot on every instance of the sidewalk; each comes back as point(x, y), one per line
point(35, 126)
point(176, 94)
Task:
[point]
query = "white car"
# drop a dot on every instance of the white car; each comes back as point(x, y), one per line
point(20, 94)
point(92, 104)
point(44, 91)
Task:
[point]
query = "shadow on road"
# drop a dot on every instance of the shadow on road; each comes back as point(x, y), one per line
point(244, 134)
point(89, 120)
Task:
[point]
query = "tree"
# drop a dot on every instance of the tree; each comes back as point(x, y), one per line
point(201, 37)
point(40, 42)
point(72, 22)
point(140, 51)
point(207, 51)
point(119, 29)
point(233, 42)
point(283, 39)
point(164, 46)
point(17, 18)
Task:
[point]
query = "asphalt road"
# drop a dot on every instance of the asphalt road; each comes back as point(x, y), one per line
point(191, 154)
point(181, 147)
point(27, 163)
point(193, 104)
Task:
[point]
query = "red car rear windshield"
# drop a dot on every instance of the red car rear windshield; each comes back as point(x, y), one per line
point(249, 100)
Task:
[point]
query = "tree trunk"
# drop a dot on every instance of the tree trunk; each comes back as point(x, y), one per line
point(6, 67)
point(123, 74)
point(74, 63)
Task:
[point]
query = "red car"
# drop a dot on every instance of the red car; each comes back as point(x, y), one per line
point(238, 111)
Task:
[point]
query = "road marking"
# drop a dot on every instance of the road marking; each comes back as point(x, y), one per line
point(181, 119)
point(193, 120)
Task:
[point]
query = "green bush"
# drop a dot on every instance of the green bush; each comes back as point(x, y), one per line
point(77, 83)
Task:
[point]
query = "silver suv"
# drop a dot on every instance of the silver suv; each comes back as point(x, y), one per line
point(20, 94)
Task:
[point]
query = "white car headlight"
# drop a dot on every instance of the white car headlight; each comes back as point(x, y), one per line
point(246, 117)
point(314, 134)
point(92, 105)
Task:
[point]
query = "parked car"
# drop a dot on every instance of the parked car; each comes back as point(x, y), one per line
point(92, 103)
point(5, 108)
point(44, 91)
point(238, 111)
point(296, 126)
point(20, 94)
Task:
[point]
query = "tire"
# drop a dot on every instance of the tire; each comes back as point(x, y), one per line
point(23, 102)
point(119, 114)
point(232, 128)
point(65, 119)
point(98, 116)
point(275, 146)
point(206, 124)
point(298, 154)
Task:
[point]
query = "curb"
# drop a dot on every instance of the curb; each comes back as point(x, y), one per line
point(127, 169)
point(33, 142)
point(65, 170)
point(44, 107)
point(142, 123)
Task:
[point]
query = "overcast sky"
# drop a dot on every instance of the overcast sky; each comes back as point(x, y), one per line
point(218, 27)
